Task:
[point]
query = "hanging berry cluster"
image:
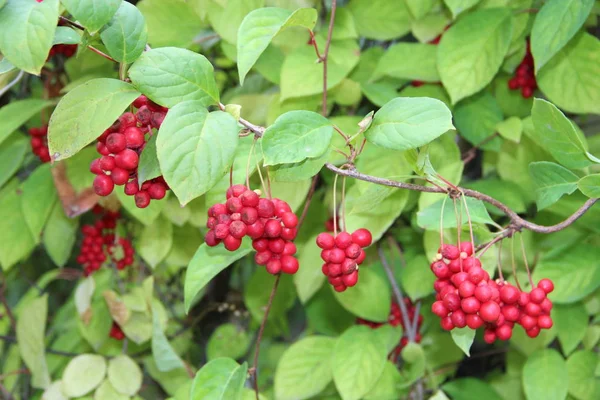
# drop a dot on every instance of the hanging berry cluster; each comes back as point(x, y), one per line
point(270, 223)
point(116, 332)
point(121, 146)
point(466, 296)
point(397, 318)
point(524, 78)
point(99, 240)
point(39, 142)
point(342, 255)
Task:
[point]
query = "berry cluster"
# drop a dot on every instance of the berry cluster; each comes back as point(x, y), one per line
point(342, 255)
point(39, 143)
point(121, 146)
point(116, 332)
point(67, 50)
point(466, 296)
point(396, 318)
point(99, 239)
point(524, 76)
point(270, 223)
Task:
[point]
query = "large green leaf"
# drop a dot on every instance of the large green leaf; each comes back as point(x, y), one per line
point(260, 26)
point(12, 154)
point(545, 376)
point(149, 167)
point(124, 375)
point(161, 16)
point(16, 113)
point(309, 278)
point(39, 196)
point(468, 62)
point(470, 389)
point(219, 379)
point(571, 322)
point(164, 355)
point(26, 32)
point(409, 61)
point(226, 17)
point(583, 383)
point(417, 281)
point(228, 340)
point(381, 19)
point(31, 327)
point(170, 75)
point(206, 264)
point(155, 241)
point(569, 78)
point(305, 369)
point(464, 337)
point(195, 148)
point(476, 119)
point(106, 391)
point(85, 112)
point(16, 240)
point(296, 136)
point(575, 274)
point(409, 122)
point(359, 359)
point(369, 299)
point(590, 185)
point(552, 181)
point(459, 6)
point(555, 24)
point(144, 215)
point(83, 374)
point(557, 135)
point(257, 293)
point(429, 218)
point(125, 35)
point(93, 14)
point(59, 235)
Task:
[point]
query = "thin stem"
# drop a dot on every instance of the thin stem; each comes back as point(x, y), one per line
point(458, 222)
point(335, 206)
point(415, 322)
point(344, 204)
point(269, 182)
point(260, 334)
point(262, 181)
point(470, 222)
point(72, 23)
point(442, 221)
point(12, 83)
point(472, 152)
point(308, 200)
point(514, 266)
point(313, 41)
point(326, 54)
point(95, 50)
point(248, 163)
point(500, 274)
point(525, 260)
point(492, 242)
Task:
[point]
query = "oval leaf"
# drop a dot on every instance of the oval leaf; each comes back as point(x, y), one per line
point(155, 241)
point(571, 321)
point(31, 327)
point(83, 374)
point(16, 113)
point(228, 340)
point(85, 112)
point(583, 383)
point(409, 122)
point(93, 14)
point(125, 35)
point(545, 376)
point(220, 379)
point(463, 337)
point(370, 299)
point(124, 375)
point(106, 391)
point(552, 181)
point(590, 185)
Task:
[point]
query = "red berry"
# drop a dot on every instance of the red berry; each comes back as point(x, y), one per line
point(533, 332)
point(232, 243)
point(476, 274)
point(290, 220)
point(217, 209)
point(545, 322)
point(337, 256)
point(142, 199)
point(249, 199)
point(350, 279)
point(289, 249)
point(101, 148)
point(210, 239)
point(353, 251)
point(362, 237)
point(95, 167)
point(260, 244)
point(459, 319)
point(474, 321)
point(255, 230)
point(234, 205)
point(274, 267)
point(335, 269)
point(262, 257)
point(466, 289)
point(119, 176)
point(439, 309)
point(221, 231)
point(470, 305)
point(504, 332)
point(116, 143)
point(132, 188)
point(103, 185)
point(546, 305)
point(140, 101)
point(470, 262)
point(237, 229)
point(325, 241)
point(447, 324)
point(157, 191)
point(467, 248)
point(340, 288)
point(546, 285)
point(537, 295)
point(235, 191)
point(533, 309)
point(509, 294)
point(527, 321)
point(134, 137)
point(335, 281)
point(513, 84)
point(107, 163)
point(511, 313)
point(265, 208)
point(126, 120)
point(452, 301)
point(361, 257)
point(527, 92)
point(127, 159)
point(289, 233)
point(348, 266)
point(523, 299)
point(449, 252)
point(456, 265)
point(441, 270)
point(276, 245)
point(459, 278)
point(272, 228)
point(489, 311)
point(343, 240)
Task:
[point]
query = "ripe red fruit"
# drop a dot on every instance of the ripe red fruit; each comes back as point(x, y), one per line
point(235, 191)
point(157, 191)
point(289, 249)
point(361, 257)
point(210, 239)
point(116, 143)
point(237, 229)
point(348, 266)
point(276, 245)
point(273, 267)
point(232, 243)
point(350, 279)
point(467, 248)
point(441, 270)
point(134, 137)
point(476, 274)
point(221, 231)
point(449, 252)
point(101, 148)
point(353, 251)
point(255, 230)
point(456, 265)
point(511, 313)
point(142, 199)
point(447, 324)
point(260, 244)
point(262, 257)
point(119, 176)
point(337, 256)
point(509, 294)
point(537, 295)
point(107, 163)
point(334, 269)
point(546, 285)
point(523, 299)
point(533, 332)
point(474, 321)
point(325, 241)
point(289, 219)
point(545, 322)
point(489, 336)
point(459, 278)
point(459, 319)
point(467, 289)
point(470, 305)
point(527, 321)
point(546, 305)
point(289, 234)
point(533, 309)
point(234, 205)
point(335, 281)
point(217, 209)
point(343, 240)
point(489, 311)
point(103, 185)
point(340, 288)
point(362, 237)
point(249, 199)
point(470, 262)
point(272, 228)
point(127, 159)
point(452, 301)
point(126, 120)
point(439, 309)
point(289, 264)
point(504, 332)
point(95, 167)
point(140, 101)
point(265, 208)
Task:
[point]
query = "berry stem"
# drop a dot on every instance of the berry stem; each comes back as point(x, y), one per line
point(262, 181)
point(260, 334)
point(442, 221)
point(525, 260)
point(469, 220)
point(514, 266)
point(326, 54)
point(308, 200)
point(252, 149)
point(500, 274)
point(270, 194)
point(335, 220)
point(343, 228)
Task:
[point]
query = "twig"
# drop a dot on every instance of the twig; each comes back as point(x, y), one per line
point(472, 152)
point(95, 50)
point(11, 317)
point(257, 130)
point(12, 83)
point(72, 23)
point(326, 54)
point(309, 197)
point(254, 370)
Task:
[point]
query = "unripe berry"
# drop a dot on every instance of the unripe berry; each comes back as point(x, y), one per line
point(103, 185)
point(134, 137)
point(489, 311)
point(272, 228)
point(343, 240)
point(127, 159)
point(290, 220)
point(273, 267)
point(289, 264)
point(546, 285)
point(232, 243)
point(362, 237)
point(537, 295)
point(119, 176)
point(116, 143)
point(157, 191)
point(350, 279)
point(142, 199)
point(509, 294)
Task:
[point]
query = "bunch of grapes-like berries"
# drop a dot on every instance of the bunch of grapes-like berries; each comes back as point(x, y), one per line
point(39, 142)
point(342, 255)
point(396, 318)
point(466, 296)
point(524, 78)
point(100, 243)
point(270, 223)
point(121, 146)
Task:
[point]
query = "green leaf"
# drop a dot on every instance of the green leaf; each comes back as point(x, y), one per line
point(575, 275)
point(416, 280)
point(387, 384)
point(568, 79)
point(390, 335)
point(420, 8)
point(27, 31)
point(581, 367)
point(161, 16)
point(228, 340)
point(66, 35)
point(299, 171)
point(125, 35)
point(557, 135)
point(459, 6)
point(552, 181)
point(171, 75)
point(429, 218)
point(124, 375)
point(85, 112)
point(257, 293)
point(409, 122)
point(31, 327)
point(164, 355)
point(296, 136)
point(144, 215)
point(359, 359)
point(260, 26)
point(510, 129)
point(590, 185)
point(305, 370)
point(571, 322)
point(12, 154)
point(409, 61)
point(155, 241)
point(54, 391)
point(106, 391)
point(302, 76)
point(16, 240)
point(545, 376)
point(93, 14)
point(38, 198)
point(309, 279)
point(219, 379)
point(325, 315)
point(83, 295)
point(463, 337)
point(470, 389)
point(468, 63)
point(476, 119)
point(555, 24)
point(83, 374)
point(16, 113)
point(368, 300)
point(380, 19)
point(206, 264)
point(195, 148)
point(226, 17)
point(148, 167)
point(6, 66)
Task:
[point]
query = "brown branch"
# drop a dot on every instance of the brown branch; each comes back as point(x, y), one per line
point(309, 197)
point(326, 54)
point(254, 370)
point(472, 152)
point(95, 50)
point(11, 317)
point(256, 129)
point(72, 23)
